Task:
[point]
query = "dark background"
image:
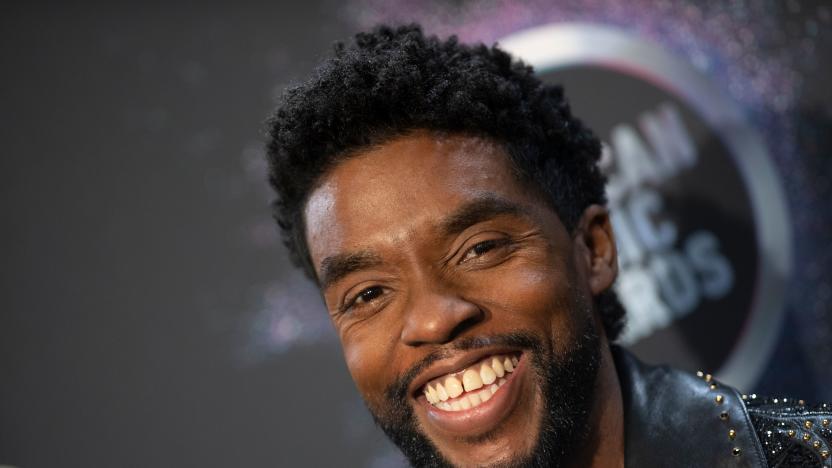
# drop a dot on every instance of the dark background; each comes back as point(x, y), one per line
point(149, 316)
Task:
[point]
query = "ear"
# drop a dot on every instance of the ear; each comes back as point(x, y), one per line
point(595, 248)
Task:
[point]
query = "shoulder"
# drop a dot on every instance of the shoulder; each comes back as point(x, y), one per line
point(792, 432)
point(669, 412)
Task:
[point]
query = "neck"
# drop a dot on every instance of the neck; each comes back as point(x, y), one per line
point(606, 445)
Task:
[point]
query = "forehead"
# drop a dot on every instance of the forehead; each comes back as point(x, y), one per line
point(390, 192)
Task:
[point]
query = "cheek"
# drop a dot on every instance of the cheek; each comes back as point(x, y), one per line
point(532, 292)
point(534, 298)
point(365, 355)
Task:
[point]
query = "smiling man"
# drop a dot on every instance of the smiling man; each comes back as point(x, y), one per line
point(452, 212)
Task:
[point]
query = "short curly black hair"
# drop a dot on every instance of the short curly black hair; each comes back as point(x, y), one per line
point(395, 80)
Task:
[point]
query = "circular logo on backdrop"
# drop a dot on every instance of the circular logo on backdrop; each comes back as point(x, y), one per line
point(697, 208)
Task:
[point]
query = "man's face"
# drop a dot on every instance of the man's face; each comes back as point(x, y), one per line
point(461, 303)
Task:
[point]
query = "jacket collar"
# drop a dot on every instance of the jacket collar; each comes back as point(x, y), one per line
point(673, 418)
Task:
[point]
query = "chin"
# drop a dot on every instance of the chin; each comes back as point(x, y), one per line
point(537, 416)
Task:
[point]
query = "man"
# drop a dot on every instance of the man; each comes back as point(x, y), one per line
point(451, 210)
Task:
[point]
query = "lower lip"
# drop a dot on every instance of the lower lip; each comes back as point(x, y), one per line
point(484, 417)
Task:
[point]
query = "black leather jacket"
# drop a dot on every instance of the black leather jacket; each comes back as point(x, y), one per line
point(676, 419)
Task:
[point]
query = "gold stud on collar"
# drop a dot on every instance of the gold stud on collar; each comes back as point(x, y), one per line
point(816, 444)
point(807, 437)
point(825, 423)
point(732, 434)
point(708, 377)
point(807, 424)
point(824, 454)
point(791, 433)
point(719, 399)
point(713, 386)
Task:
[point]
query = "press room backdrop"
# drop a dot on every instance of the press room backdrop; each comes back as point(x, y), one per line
point(149, 315)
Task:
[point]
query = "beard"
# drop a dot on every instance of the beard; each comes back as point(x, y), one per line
point(567, 384)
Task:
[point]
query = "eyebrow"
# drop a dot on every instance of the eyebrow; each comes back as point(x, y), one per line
point(481, 209)
point(335, 267)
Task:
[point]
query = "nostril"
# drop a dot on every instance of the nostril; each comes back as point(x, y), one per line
point(438, 317)
point(464, 325)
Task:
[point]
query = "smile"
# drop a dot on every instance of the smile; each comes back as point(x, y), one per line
point(472, 386)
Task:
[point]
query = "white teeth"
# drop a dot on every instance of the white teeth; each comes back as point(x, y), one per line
point(441, 392)
point(487, 374)
point(489, 377)
point(471, 380)
point(453, 387)
point(464, 403)
point(471, 400)
point(498, 367)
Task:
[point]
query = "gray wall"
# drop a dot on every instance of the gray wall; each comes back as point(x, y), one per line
point(137, 240)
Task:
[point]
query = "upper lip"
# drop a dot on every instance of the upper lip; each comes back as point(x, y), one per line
point(454, 364)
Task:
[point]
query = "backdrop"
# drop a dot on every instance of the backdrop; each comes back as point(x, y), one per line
point(149, 316)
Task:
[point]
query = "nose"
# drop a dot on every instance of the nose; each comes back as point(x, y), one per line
point(437, 316)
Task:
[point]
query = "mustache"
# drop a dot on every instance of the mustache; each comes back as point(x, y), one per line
point(397, 391)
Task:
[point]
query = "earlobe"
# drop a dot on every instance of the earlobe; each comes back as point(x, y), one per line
point(594, 232)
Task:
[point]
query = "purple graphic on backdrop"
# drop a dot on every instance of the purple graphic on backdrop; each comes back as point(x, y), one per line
point(703, 234)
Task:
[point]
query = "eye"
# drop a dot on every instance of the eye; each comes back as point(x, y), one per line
point(364, 297)
point(482, 248)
